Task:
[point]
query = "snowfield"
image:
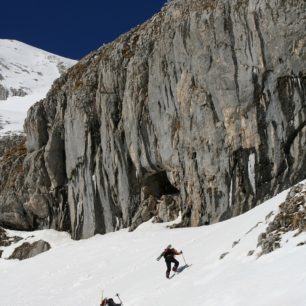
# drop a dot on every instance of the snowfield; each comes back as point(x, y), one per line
point(31, 70)
point(74, 273)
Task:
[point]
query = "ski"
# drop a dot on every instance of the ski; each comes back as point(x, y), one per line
point(179, 270)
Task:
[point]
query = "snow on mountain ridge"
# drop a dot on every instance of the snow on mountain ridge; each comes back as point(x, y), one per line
point(26, 75)
point(29, 68)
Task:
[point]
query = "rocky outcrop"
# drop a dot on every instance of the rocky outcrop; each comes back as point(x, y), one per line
point(4, 93)
point(23, 251)
point(23, 207)
point(204, 104)
point(13, 195)
point(168, 208)
point(6, 240)
point(8, 142)
point(20, 92)
point(28, 250)
point(291, 217)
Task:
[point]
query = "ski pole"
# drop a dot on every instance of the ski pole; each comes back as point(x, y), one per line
point(119, 298)
point(184, 260)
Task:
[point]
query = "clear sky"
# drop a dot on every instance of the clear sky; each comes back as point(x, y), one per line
point(72, 28)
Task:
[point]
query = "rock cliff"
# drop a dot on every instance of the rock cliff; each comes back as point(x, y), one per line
point(203, 105)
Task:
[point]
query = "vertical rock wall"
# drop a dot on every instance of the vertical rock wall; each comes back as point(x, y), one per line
point(207, 98)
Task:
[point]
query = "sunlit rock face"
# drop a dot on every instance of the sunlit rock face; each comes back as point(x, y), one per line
point(204, 103)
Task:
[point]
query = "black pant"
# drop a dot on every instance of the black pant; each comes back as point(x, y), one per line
point(169, 260)
point(112, 303)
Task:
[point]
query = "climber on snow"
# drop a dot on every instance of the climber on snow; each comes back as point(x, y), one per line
point(109, 302)
point(169, 254)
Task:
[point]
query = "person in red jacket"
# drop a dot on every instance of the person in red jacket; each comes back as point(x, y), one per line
point(109, 302)
point(169, 254)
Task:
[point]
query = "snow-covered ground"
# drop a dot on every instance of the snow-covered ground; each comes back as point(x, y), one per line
point(75, 272)
point(27, 69)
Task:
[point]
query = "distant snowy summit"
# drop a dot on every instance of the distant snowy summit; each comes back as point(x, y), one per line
point(25, 69)
point(26, 75)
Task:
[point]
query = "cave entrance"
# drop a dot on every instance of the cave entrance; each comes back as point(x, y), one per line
point(158, 185)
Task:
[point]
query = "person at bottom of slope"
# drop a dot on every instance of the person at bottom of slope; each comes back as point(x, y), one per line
point(109, 302)
point(169, 254)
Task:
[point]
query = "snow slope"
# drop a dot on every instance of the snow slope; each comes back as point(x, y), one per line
point(30, 71)
point(73, 273)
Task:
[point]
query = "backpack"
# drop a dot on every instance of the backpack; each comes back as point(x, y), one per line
point(169, 252)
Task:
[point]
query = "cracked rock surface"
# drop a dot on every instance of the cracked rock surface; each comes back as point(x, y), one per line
point(204, 103)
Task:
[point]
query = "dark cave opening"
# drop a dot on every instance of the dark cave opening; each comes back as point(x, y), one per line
point(158, 185)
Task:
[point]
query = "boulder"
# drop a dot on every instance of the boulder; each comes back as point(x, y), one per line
point(28, 250)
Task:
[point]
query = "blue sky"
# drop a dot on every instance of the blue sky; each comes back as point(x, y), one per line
point(72, 28)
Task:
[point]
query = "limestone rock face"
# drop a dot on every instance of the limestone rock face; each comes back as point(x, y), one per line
point(26, 199)
point(204, 103)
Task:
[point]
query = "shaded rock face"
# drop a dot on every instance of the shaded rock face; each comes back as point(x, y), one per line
point(12, 197)
point(26, 201)
point(28, 250)
point(208, 97)
point(159, 199)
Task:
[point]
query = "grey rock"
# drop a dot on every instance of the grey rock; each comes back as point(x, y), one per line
point(301, 243)
point(207, 98)
point(6, 240)
point(36, 128)
point(235, 243)
point(4, 93)
point(18, 92)
point(168, 208)
point(223, 255)
point(146, 211)
point(2, 232)
point(291, 217)
point(37, 205)
point(8, 142)
point(260, 238)
point(12, 155)
point(28, 250)
point(12, 214)
point(251, 252)
point(62, 68)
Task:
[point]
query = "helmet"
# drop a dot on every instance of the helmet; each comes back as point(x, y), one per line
point(169, 246)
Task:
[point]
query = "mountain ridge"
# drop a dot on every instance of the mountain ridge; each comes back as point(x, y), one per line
point(26, 75)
